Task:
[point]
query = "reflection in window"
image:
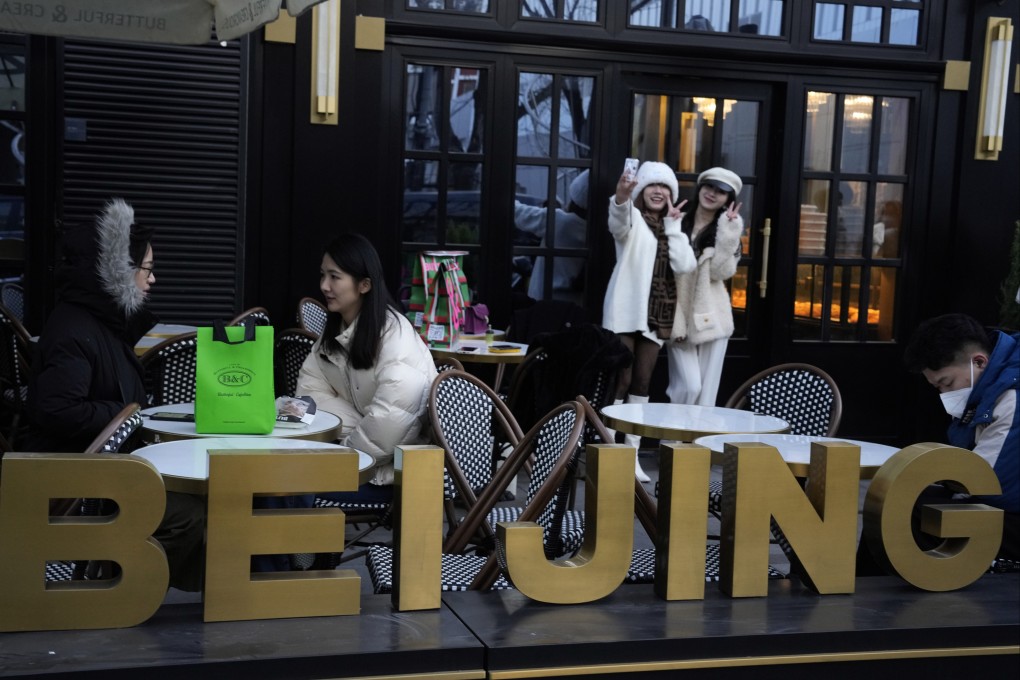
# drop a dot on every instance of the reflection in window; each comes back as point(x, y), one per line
point(551, 192)
point(466, 6)
point(753, 17)
point(892, 151)
point(889, 22)
point(12, 77)
point(760, 17)
point(12, 151)
point(445, 110)
point(739, 151)
point(851, 228)
point(12, 158)
point(679, 127)
point(12, 217)
point(828, 23)
point(821, 123)
point(857, 114)
point(888, 220)
point(707, 15)
point(568, 10)
point(867, 24)
point(850, 219)
point(903, 27)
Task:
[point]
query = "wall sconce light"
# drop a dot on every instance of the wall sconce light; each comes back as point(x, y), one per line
point(325, 62)
point(994, 88)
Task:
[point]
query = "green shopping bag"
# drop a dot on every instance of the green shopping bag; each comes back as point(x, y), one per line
point(234, 392)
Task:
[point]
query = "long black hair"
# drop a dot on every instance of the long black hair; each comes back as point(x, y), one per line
point(355, 255)
point(706, 239)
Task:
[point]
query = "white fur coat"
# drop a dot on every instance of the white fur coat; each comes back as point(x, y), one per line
point(703, 303)
point(625, 308)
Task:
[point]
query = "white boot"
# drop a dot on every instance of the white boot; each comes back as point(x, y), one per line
point(635, 441)
point(609, 430)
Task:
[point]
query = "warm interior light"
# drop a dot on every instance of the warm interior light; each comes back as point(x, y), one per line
point(994, 88)
point(858, 110)
point(706, 107)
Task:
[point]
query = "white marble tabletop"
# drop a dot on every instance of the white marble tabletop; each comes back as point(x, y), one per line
point(796, 449)
point(325, 427)
point(184, 464)
point(685, 422)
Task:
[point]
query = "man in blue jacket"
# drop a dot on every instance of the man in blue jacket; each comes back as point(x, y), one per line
point(977, 374)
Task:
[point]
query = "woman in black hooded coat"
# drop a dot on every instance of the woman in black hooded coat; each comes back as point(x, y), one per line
point(86, 370)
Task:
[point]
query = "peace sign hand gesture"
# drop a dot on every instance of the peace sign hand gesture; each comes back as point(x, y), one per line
point(733, 211)
point(676, 210)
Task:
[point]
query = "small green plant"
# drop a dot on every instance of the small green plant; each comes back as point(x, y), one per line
point(1009, 313)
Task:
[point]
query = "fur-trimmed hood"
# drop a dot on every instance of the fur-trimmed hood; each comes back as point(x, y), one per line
point(114, 266)
point(96, 271)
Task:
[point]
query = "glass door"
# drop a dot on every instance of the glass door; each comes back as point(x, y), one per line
point(698, 125)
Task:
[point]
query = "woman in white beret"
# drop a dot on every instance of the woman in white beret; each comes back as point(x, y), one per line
point(651, 252)
point(704, 319)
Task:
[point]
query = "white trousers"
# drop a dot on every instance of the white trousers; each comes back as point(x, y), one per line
point(694, 371)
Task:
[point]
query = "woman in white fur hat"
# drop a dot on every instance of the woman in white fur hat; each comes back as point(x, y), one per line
point(704, 320)
point(651, 251)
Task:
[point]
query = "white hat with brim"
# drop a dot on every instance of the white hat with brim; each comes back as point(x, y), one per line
point(721, 178)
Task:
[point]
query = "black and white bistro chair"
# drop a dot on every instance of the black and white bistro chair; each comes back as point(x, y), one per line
point(555, 436)
point(170, 370)
point(803, 395)
point(292, 348)
point(258, 315)
point(311, 315)
point(15, 368)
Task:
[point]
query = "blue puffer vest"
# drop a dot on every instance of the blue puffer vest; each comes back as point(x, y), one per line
point(1002, 374)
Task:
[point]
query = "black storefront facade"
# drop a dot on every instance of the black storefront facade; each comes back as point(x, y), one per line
point(828, 122)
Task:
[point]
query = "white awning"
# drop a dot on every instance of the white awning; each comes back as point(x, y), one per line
point(189, 22)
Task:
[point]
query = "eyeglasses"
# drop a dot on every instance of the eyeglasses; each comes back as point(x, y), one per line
point(149, 271)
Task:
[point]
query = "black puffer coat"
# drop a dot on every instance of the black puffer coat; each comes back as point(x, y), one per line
point(86, 370)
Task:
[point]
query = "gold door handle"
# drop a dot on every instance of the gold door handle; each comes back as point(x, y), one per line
point(763, 283)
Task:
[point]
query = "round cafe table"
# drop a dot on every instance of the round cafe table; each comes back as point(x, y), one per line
point(474, 351)
point(184, 464)
point(685, 422)
point(796, 449)
point(325, 427)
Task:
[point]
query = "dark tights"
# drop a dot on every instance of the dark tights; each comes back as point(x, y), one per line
point(636, 379)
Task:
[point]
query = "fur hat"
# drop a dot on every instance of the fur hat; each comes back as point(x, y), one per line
point(724, 179)
point(114, 265)
point(578, 190)
point(652, 172)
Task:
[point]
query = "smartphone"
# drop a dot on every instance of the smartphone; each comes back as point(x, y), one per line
point(468, 349)
point(170, 415)
point(630, 168)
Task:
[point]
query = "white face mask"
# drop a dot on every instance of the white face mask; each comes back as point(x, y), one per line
point(955, 402)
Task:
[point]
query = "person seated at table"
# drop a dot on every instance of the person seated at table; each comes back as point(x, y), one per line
point(976, 373)
point(369, 367)
point(85, 368)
